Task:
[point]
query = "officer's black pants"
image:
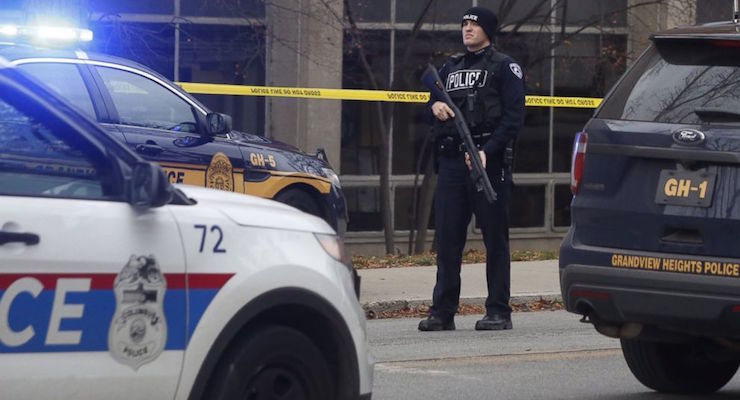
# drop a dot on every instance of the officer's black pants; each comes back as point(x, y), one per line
point(455, 202)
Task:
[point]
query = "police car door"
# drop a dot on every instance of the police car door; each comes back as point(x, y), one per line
point(160, 125)
point(91, 290)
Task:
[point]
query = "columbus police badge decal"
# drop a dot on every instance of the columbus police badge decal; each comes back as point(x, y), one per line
point(220, 173)
point(138, 331)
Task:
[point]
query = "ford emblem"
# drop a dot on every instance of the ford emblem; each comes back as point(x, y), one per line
point(690, 137)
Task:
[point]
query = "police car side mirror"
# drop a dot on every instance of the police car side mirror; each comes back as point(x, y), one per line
point(218, 123)
point(149, 186)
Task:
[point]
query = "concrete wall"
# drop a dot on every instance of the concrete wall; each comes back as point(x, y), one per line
point(304, 39)
point(645, 18)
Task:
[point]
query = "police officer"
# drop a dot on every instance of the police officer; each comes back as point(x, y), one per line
point(488, 87)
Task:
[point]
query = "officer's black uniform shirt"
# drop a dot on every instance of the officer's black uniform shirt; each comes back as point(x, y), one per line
point(509, 82)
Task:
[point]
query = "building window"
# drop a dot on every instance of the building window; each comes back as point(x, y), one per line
point(527, 206)
point(361, 130)
point(231, 55)
point(713, 10)
point(363, 204)
point(604, 13)
point(532, 51)
point(512, 12)
point(370, 10)
point(132, 6)
point(224, 8)
point(412, 125)
point(440, 12)
point(150, 44)
point(563, 197)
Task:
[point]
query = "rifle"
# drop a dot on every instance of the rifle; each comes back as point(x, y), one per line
point(432, 81)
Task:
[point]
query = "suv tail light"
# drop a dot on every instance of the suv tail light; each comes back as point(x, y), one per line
point(576, 162)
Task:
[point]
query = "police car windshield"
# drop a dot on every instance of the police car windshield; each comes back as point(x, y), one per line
point(687, 82)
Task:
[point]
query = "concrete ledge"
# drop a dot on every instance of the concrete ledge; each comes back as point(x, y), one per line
point(397, 305)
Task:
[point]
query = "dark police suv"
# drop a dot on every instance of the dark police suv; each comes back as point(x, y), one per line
point(163, 123)
point(653, 252)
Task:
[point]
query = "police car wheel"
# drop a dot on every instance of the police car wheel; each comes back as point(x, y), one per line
point(676, 367)
point(300, 200)
point(272, 362)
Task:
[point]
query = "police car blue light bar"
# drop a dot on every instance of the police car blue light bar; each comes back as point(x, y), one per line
point(46, 33)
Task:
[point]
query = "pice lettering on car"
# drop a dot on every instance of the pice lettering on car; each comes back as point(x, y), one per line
point(65, 312)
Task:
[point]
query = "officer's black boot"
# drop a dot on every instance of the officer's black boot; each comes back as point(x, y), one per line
point(435, 323)
point(493, 322)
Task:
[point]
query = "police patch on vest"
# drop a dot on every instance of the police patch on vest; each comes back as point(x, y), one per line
point(138, 331)
point(516, 69)
point(220, 173)
point(465, 79)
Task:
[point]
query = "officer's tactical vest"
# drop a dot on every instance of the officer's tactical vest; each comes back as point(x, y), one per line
point(475, 90)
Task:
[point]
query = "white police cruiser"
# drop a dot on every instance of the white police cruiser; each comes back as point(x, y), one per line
point(115, 284)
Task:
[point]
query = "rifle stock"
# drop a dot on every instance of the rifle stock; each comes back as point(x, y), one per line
point(433, 82)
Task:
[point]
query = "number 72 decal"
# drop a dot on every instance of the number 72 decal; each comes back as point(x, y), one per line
point(218, 232)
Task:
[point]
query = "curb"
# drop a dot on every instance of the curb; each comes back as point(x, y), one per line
point(396, 305)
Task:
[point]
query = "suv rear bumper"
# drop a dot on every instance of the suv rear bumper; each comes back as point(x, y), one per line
point(680, 302)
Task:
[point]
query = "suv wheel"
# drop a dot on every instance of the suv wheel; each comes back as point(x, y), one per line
point(272, 362)
point(676, 368)
point(300, 200)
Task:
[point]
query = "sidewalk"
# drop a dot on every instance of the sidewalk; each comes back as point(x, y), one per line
point(387, 289)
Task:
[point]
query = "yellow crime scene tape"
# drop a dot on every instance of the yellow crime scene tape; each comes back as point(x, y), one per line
point(365, 95)
point(569, 102)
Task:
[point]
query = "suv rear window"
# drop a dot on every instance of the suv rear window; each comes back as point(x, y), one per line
point(680, 81)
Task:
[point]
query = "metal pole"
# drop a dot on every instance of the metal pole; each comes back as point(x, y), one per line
point(390, 123)
point(551, 130)
point(176, 73)
point(550, 188)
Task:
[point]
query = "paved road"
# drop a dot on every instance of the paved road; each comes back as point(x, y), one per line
point(548, 355)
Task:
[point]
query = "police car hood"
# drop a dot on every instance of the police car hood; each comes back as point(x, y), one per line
point(309, 163)
point(250, 210)
point(252, 139)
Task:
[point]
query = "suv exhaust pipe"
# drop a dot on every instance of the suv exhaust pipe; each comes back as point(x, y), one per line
point(627, 330)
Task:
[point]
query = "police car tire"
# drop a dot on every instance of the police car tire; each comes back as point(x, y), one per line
point(300, 200)
point(676, 367)
point(272, 362)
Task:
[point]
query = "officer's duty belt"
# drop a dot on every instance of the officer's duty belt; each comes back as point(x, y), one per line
point(451, 146)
